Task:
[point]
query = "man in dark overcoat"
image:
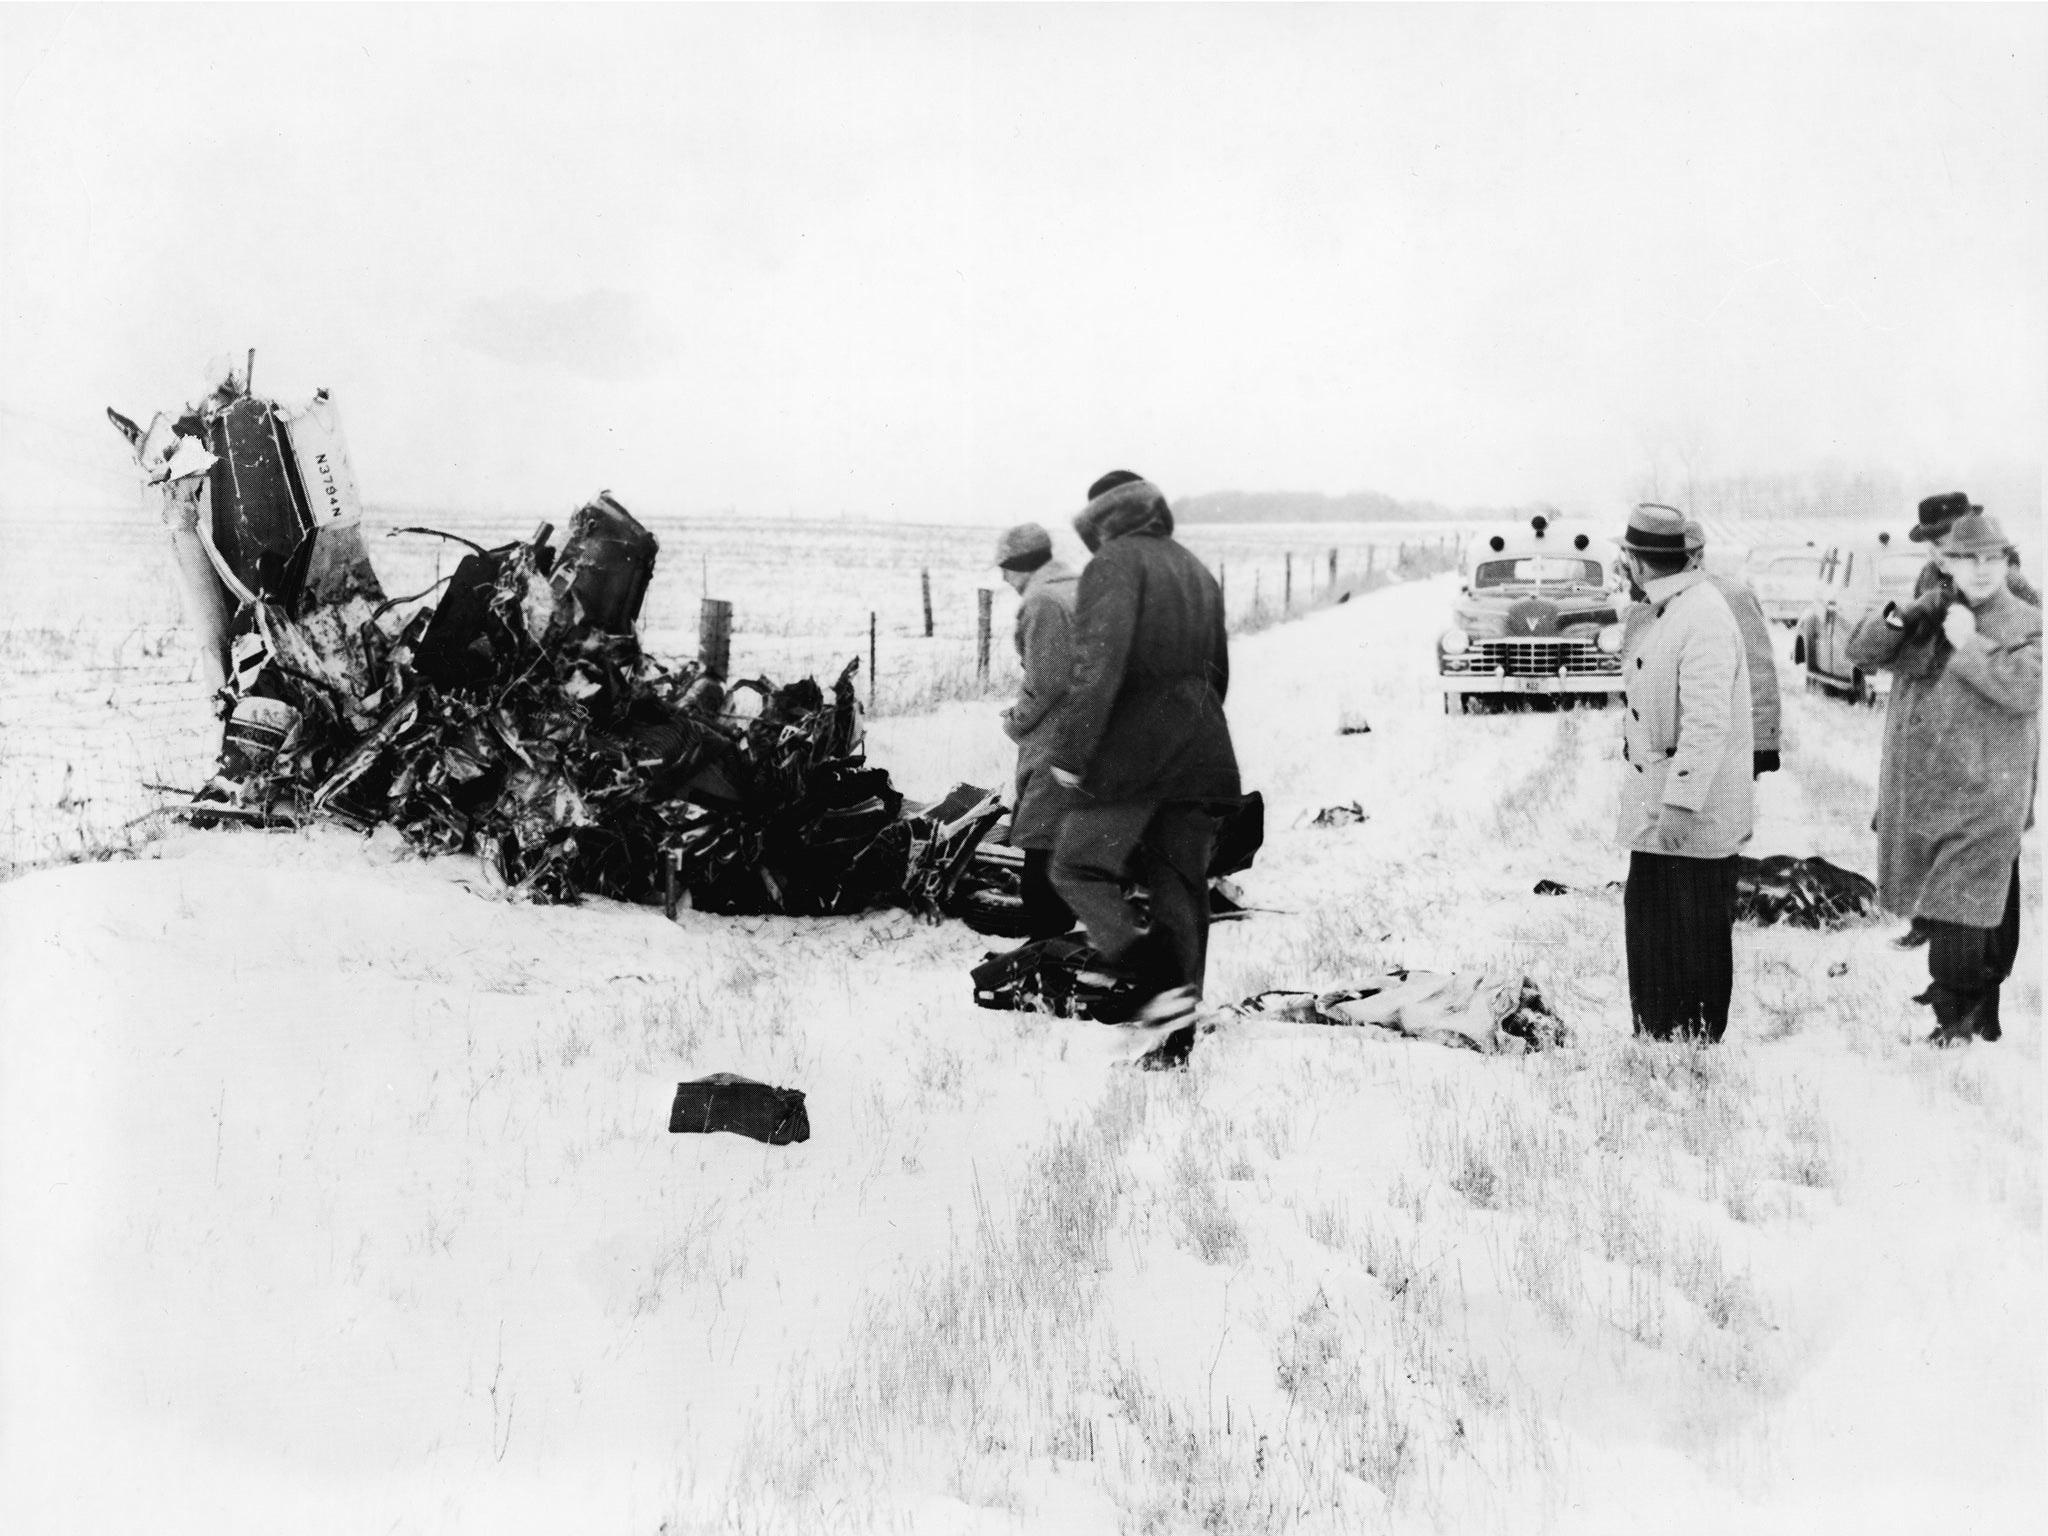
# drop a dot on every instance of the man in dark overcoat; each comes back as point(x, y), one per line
point(1955, 786)
point(1143, 740)
point(1045, 646)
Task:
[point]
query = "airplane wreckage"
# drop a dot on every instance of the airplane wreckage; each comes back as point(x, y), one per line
point(516, 717)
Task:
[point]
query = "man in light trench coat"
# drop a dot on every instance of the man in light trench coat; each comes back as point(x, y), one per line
point(1955, 786)
point(1045, 644)
point(1686, 806)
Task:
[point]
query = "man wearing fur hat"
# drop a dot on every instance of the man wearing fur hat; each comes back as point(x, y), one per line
point(1045, 645)
point(1688, 751)
point(1143, 741)
point(1955, 787)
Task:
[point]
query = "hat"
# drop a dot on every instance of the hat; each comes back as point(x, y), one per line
point(1111, 481)
point(1695, 535)
point(1023, 548)
point(1655, 529)
point(1937, 512)
point(1974, 533)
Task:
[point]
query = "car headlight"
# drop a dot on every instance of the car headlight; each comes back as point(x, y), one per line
point(1609, 639)
point(1453, 641)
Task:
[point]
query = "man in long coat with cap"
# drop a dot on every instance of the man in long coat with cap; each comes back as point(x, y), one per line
point(1686, 807)
point(1143, 740)
point(1955, 786)
point(1765, 704)
point(1045, 646)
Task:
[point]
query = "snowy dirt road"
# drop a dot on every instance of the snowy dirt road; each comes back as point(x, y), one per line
point(337, 1195)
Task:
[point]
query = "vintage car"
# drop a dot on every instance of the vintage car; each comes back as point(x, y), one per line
point(1784, 578)
point(1855, 579)
point(1537, 616)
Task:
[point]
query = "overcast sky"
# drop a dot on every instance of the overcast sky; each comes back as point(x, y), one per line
point(957, 261)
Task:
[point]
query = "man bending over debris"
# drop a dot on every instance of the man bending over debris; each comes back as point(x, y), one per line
point(1045, 645)
point(1955, 786)
point(1686, 806)
point(1144, 741)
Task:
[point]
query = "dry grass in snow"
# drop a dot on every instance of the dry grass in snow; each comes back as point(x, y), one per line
point(338, 1196)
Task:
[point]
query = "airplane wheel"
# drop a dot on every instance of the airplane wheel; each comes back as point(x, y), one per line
point(1799, 651)
point(1859, 688)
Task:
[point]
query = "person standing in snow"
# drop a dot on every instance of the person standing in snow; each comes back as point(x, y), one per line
point(1686, 807)
point(1765, 704)
point(1143, 741)
point(1955, 786)
point(1045, 645)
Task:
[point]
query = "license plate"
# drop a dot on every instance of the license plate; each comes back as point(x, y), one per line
point(1526, 684)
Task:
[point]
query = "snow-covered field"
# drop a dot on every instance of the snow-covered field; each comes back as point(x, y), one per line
point(338, 1196)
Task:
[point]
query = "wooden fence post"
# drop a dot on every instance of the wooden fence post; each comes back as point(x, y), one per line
point(1333, 571)
point(873, 668)
point(983, 599)
point(927, 604)
point(1287, 583)
point(1368, 557)
point(714, 637)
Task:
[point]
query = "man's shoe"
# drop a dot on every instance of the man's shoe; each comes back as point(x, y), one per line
point(1912, 938)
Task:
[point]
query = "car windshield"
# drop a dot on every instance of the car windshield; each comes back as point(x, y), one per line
point(1791, 565)
point(1897, 573)
point(1537, 568)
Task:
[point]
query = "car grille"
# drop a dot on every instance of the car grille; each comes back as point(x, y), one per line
point(1540, 658)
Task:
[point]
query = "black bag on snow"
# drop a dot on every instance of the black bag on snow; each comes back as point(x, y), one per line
point(1045, 975)
point(725, 1101)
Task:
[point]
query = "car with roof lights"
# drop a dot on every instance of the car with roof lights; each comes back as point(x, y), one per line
point(1855, 579)
point(1537, 616)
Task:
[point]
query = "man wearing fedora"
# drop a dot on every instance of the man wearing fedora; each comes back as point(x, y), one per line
point(1765, 703)
point(1143, 742)
point(1955, 787)
point(1045, 645)
point(1688, 747)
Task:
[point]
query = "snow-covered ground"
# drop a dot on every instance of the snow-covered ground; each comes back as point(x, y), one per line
point(336, 1195)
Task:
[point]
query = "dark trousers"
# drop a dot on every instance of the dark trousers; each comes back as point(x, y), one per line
point(1967, 966)
point(1679, 917)
point(1046, 916)
point(1164, 845)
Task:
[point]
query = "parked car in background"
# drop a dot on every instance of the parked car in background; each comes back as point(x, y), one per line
point(1785, 578)
point(1854, 580)
point(1536, 616)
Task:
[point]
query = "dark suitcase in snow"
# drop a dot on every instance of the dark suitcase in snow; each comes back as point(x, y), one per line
point(725, 1101)
point(1046, 975)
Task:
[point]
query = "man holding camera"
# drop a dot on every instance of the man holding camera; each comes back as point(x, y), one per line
point(1955, 787)
point(1688, 749)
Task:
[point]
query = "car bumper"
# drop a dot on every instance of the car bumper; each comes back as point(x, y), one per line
point(1571, 682)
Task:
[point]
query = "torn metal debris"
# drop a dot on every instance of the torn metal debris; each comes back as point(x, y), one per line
point(516, 717)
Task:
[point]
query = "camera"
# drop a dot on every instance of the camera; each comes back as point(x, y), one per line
point(1922, 617)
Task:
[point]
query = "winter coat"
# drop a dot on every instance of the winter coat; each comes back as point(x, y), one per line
point(1144, 720)
point(1686, 738)
point(1045, 643)
point(1962, 743)
point(1764, 703)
